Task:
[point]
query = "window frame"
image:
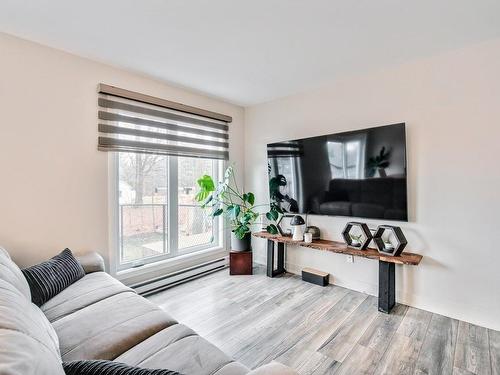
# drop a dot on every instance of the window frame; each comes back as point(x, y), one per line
point(171, 245)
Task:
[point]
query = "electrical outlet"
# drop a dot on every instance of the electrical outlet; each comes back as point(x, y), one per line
point(350, 259)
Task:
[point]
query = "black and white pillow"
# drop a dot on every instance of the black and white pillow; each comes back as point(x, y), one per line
point(52, 276)
point(100, 367)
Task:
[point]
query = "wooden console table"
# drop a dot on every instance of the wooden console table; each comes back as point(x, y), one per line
point(386, 269)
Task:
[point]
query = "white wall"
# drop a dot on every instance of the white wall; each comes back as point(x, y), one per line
point(53, 181)
point(451, 105)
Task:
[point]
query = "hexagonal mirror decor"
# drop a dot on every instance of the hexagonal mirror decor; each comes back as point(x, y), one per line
point(390, 240)
point(357, 235)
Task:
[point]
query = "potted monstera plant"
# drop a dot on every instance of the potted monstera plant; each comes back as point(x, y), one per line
point(225, 198)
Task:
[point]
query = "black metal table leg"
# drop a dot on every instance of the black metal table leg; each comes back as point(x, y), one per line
point(270, 258)
point(386, 286)
point(280, 266)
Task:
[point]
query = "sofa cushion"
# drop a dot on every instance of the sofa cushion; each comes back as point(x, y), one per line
point(180, 349)
point(335, 208)
point(100, 367)
point(29, 344)
point(21, 354)
point(155, 343)
point(377, 191)
point(109, 327)
point(11, 273)
point(49, 278)
point(88, 290)
point(19, 314)
point(368, 210)
point(351, 189)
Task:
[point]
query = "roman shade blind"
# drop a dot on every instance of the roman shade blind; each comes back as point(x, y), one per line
point(133, 122)
point(291, 149)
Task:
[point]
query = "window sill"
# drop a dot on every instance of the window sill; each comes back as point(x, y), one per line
point(139, 274)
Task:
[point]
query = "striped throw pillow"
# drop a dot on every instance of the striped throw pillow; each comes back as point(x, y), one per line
point(52, 276)
point(101, 367)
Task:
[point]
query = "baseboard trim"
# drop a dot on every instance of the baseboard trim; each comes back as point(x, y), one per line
point(158, 284)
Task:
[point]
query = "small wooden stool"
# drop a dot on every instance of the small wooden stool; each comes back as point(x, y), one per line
point(240, 263)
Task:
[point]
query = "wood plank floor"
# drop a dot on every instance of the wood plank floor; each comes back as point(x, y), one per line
point(330, 330)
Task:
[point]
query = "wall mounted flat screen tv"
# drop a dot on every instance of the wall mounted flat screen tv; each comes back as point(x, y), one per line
point(359, 173)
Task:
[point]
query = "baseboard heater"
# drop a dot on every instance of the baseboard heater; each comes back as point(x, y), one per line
point(175, 278)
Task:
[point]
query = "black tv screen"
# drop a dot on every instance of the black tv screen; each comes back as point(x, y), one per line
point(359, 173)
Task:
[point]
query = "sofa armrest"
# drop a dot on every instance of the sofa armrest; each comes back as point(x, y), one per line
point(91, 262)
point(273, 368)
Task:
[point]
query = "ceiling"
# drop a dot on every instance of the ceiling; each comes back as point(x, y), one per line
point(252, 51)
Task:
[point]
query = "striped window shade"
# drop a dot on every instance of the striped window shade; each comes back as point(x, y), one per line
point(133, 122)
point(291, 149)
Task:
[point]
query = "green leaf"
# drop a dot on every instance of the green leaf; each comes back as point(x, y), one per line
point(272, 229)
point(250, 198)
point(240, 231)
point(245, 219)
point(217, 212)
point(272, 215)
point(202, 195)
point(206, 182)
point(275, 207)
point(207, 186)
point(277, 181)
point(249, 217)
point(233, 211)
point(274, 187)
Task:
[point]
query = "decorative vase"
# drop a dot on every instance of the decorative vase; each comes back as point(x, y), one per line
point(314, 231)
point(297, 223)
point(245, 244)
point(298, 233)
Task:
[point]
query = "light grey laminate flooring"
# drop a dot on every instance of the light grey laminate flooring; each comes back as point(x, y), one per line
point(331, 330)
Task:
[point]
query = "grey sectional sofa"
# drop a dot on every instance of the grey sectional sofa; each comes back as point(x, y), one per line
point(100, 318)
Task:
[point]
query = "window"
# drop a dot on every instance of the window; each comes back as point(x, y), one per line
point(346, 159)
point(160, 148)
point(158, 215)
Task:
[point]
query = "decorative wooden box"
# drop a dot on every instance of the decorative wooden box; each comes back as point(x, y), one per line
point(240, 263)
